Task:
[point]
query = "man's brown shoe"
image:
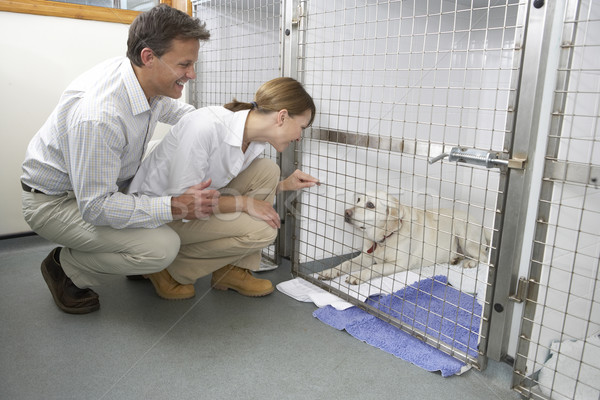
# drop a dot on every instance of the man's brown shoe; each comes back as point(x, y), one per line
point(66, 295)
point(168, 288)
point(240, 280)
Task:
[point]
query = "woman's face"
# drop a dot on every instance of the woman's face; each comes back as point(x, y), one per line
point(291, 129)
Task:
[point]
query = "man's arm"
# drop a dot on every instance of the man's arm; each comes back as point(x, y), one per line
point(93, 155)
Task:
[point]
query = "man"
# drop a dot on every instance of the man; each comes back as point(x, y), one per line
point(79, 164)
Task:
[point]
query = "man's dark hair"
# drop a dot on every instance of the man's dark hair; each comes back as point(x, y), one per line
point(157, 28)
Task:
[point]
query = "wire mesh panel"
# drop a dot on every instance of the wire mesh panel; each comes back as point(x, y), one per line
point(396, 84)
point(243, 52)
point(559, 348)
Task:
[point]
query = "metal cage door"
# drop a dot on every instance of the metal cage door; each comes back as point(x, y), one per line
point(400, 85)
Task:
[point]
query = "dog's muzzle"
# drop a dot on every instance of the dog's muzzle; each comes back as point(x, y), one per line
point(348, 215)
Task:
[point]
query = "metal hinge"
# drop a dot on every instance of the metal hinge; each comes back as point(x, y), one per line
point(521, 293)
point(480, 157)
point(297, 14)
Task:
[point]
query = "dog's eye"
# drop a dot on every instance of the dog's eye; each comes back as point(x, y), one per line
point(370, 205)
point(358, 200)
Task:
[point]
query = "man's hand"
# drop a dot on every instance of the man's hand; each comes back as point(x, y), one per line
point(195, 203)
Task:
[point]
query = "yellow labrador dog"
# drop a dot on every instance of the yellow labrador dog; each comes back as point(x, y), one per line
point(399, 238)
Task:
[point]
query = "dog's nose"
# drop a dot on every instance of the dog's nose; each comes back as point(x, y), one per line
point(348, 215)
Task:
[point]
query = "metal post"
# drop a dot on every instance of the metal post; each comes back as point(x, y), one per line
point(288, 160)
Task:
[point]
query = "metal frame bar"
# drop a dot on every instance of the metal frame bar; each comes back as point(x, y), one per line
point(521, 184)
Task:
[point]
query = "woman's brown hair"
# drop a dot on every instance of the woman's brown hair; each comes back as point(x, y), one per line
point(278, 94)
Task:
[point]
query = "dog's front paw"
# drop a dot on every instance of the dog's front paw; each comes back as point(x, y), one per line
point(328, 274)
point(470, 264)
point(354, 279)
point(455, 260)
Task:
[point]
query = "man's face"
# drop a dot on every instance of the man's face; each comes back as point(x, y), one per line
point(172, 70)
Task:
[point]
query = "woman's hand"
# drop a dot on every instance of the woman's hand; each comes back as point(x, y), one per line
point(258, 209)
point(262, 210)
point(297, 180)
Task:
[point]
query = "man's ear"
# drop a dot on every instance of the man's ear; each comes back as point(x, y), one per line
point(147, 56)
point(281, 116)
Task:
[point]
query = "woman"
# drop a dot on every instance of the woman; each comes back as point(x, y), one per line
point(219, 147)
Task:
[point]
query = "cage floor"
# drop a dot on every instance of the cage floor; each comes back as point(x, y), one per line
point(219, 345)
point(469, 280)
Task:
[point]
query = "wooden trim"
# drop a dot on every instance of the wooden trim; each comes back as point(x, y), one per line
point(183, 5)
point(68, 10)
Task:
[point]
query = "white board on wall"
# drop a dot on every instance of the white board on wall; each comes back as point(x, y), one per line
point(41, 56)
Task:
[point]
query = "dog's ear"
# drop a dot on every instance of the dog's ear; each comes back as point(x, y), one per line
point(404, 213)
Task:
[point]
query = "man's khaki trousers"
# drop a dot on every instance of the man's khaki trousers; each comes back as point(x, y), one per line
point(190, 250)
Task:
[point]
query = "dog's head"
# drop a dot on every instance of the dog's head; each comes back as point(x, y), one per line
point(375, 213)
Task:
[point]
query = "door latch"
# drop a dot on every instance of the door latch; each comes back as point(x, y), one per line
point(521, 293)
point(480, 157)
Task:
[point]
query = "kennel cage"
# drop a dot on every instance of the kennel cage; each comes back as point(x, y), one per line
point(399, 83)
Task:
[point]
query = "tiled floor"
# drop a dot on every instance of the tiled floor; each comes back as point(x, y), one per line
point(219, 345)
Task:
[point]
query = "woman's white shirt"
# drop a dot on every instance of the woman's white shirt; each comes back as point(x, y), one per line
point(206, 143)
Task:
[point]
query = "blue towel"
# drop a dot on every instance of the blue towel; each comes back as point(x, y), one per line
point(433, 306)
point(430, 304)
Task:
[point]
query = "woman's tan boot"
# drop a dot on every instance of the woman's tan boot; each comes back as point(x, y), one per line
point(240, 280)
